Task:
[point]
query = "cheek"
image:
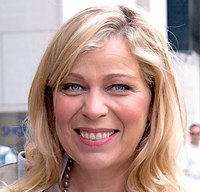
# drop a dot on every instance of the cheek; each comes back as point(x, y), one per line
point(134, 116)
point(61, 110)
point(63, 118)
point(135, 112)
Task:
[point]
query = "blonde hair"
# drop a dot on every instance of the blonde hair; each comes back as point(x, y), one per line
point(154, 166)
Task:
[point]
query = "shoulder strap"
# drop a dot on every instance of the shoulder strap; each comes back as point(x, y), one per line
point(21, 159)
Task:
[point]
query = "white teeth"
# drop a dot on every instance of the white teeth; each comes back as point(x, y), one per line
point(92, 136)
point(96, 136)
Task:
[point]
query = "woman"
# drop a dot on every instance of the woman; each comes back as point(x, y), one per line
point(105, 102)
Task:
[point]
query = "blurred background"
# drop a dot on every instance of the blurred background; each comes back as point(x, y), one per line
point(26, 26)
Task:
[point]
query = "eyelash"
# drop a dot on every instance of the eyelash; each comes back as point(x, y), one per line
point(76, 89)
point(122, 87)
point(71, 86)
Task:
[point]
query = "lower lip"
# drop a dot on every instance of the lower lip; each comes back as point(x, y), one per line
point(96, 143)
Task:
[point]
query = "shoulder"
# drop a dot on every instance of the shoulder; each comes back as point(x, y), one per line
point(54, 188)
point(8, 173)
point(12, 171)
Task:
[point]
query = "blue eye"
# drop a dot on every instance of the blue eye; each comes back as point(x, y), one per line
point(120, 87)
point(72, 87)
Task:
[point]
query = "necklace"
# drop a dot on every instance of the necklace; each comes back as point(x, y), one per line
point(64, 184)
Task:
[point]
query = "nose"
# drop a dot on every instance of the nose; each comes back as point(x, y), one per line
point(94, 105)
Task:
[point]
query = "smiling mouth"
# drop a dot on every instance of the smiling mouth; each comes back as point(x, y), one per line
point(96, 135)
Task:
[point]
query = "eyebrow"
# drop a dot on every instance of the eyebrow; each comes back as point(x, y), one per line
point(118, 75)
point(76, 75)
point(106, 78)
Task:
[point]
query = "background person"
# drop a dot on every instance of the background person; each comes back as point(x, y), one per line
point(191, 156)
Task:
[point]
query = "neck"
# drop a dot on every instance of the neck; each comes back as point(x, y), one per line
point(195, 144)
point(98, 180)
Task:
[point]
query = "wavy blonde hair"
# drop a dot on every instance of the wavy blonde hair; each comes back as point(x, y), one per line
point(154, 166)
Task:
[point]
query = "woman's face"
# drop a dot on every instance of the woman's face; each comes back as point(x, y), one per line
point(101, 108)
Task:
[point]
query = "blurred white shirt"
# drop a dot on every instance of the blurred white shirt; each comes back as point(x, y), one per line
point(190, 160)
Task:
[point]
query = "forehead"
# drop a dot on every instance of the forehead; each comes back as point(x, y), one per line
point(195, 129)
point(115, 50)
